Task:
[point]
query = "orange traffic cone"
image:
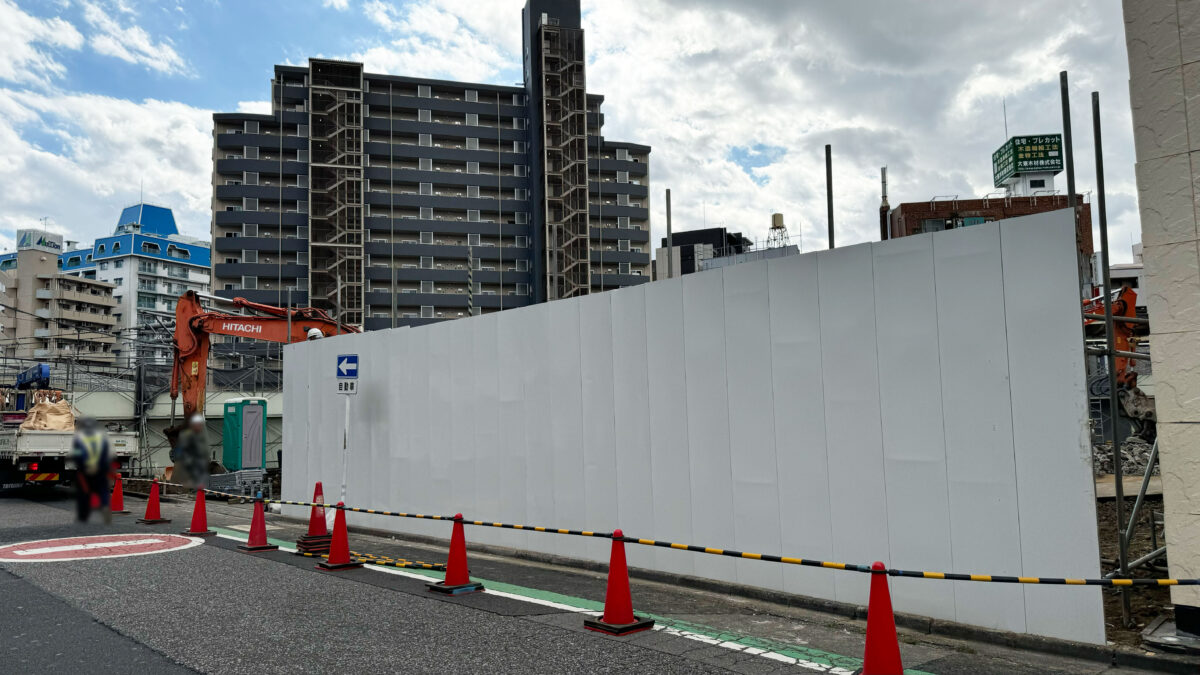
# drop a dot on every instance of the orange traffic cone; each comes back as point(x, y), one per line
point(618, 617)
point(117, 501)
point(882, 653)
point(339, 546)
point(317, 539)
point(458, 578)
point(199, 526)
point(258, 532)
point(153, 515)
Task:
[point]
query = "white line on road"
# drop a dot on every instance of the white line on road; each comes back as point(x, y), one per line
point(86, 547)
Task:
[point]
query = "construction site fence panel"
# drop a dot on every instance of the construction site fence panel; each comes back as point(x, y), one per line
point(919, 401)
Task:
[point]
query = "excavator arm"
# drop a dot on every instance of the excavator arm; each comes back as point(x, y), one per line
point(194, 325)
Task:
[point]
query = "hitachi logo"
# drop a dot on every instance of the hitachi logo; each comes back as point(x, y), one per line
point(243, 327)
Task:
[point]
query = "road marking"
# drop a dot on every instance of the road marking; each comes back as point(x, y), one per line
point(86, 547)
point(94, 547)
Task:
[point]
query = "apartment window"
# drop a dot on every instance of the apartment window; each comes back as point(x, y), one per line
point(472, 143)
point(249, 203)
point(230, 181)
point(518, 146)
point(250, 282)
point(426, 213)
point(426, 262)
point(230, 261)
point(518, 99)
point(425, 164)
point(472, 167)
point(250, 256)
point(518, 122)
point(520, 193)
point(426, 286)
point(426, 237)
point(147, 247)
point(103, 265)
point(522, 241)
point(472, 239)
point(302, 231)
point(118, 264)
point(623, 245)
point(250, 177)
point(522, 265)
point(472, 119)
point(423, 91)
point(426, 311)
point(476, 264)
point(623, 268)
point(521, 217)
point(472, 96)
point(473, 215)
point(522, 289)
point(472, 190)
point(622, 176)
point(426, 188)
point(622, 200)
point(250, 127)
point(424, 116)
point(623, 221)
point(250, 151)
point(119, 281)
point(519, 170)
point(302, 155)
point(623, 154)
point(302, 181)
point(229, 287)
point(425, 140)
point(302, 132)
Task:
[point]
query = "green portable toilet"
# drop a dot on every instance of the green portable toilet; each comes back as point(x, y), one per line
point(245, 433)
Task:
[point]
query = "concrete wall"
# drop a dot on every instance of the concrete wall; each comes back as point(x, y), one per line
point(1163, 40)
point(918, 401)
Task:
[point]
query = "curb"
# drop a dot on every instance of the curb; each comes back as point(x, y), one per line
point(1110, 654)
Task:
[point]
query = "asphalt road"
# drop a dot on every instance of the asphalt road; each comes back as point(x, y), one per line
point(215, 609)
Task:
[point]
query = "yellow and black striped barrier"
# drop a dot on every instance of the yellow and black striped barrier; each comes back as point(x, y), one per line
point(805, 562)
point(383, 562)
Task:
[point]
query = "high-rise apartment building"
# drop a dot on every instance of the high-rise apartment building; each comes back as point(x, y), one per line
point(391, 201)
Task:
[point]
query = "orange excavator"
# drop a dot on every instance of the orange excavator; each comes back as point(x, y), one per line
point(1135, 405)
point(194, 325)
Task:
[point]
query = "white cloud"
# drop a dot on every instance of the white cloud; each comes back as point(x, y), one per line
point(102, 149)
point(132, 44)
point(28, 43)
point(257, 107)
point(336, 4)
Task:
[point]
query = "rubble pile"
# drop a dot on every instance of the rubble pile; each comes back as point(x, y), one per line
point(1135, 454)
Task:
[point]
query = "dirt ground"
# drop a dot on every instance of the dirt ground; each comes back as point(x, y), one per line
point(1146, 603)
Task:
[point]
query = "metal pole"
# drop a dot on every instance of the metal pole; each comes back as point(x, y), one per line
point(470, 282)
point(829, 188)
point(1068, 147)
point(289, 312)
point(670, 241)
point(1114, 400)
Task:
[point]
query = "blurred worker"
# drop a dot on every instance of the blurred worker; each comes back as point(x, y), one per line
point(92, 459)
point(191, 454)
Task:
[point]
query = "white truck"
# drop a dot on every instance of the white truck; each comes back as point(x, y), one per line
point(30, 457)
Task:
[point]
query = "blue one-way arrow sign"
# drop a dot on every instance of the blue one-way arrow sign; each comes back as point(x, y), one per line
point(347, 366)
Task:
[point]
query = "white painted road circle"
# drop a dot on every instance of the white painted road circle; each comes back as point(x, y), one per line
point(95, 547)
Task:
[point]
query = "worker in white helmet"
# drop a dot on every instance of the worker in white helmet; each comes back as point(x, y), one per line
point(192, 454)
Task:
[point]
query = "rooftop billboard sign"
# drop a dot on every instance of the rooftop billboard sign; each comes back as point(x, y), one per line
point(1027, 154)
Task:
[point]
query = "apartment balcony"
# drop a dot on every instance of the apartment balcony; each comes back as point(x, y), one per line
point(87, 317)
point(43, 294)
point(41, 332)
point(87, 298)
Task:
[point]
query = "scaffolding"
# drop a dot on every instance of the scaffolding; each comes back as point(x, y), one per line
point(335, 193)
point(565, 158)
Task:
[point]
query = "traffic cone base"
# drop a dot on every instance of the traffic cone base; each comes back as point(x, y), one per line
point(618, 617)
point(460, 589)
point(318, 545)
point(257, 541)
point(881, 654)
point(153, 514)
point(339, 546)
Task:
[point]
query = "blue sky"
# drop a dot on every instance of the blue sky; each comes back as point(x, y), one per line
point(736, 97)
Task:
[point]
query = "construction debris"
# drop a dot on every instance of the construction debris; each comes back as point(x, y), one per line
point(1135, 454)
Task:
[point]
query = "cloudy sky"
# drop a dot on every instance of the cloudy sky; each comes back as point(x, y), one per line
point(102, 98)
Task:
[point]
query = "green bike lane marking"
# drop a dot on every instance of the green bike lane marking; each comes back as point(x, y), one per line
point(765, 647)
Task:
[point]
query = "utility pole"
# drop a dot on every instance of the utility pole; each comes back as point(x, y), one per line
point(670, 241)
point(470, 281)
point(829, 188)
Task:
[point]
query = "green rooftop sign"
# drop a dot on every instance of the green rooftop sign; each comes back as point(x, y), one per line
point(1027, 154)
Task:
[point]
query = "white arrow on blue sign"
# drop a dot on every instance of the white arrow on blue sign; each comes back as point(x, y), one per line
point(347, 366)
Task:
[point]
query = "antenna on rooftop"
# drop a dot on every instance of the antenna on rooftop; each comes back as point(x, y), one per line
point(1004, 107)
